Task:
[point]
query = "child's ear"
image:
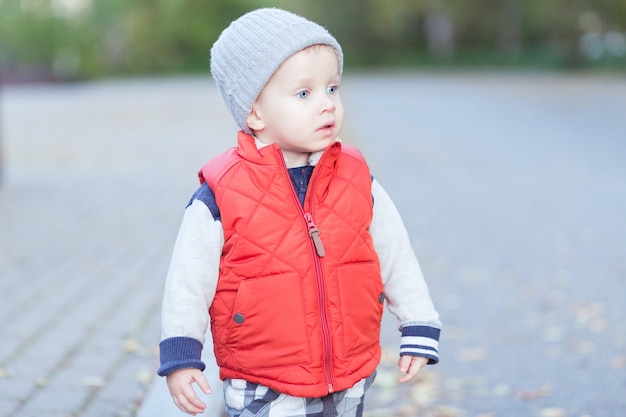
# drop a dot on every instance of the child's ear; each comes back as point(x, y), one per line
point(254, 120)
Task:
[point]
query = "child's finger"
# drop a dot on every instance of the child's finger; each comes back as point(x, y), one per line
point(202, 383)
point(404, 363)
point(196, 403)
point(186, 399)
point(410, 367)
point(189, 402)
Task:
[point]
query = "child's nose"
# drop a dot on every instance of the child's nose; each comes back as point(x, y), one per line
point(328, 103)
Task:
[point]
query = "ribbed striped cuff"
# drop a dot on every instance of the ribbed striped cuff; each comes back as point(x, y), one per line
point(420, 341)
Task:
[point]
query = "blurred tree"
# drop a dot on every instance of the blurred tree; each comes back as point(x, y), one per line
point(110, 37)
point(73, 39)
point(31, 35)
point(148, 36)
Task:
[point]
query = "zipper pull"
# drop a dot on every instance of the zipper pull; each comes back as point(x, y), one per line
point(314, 233)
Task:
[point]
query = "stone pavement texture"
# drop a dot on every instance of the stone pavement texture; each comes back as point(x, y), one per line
point(513, 189)
point(511, 186)
point(96, 178)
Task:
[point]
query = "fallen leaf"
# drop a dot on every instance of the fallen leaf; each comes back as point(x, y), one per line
point(379, 412)
point(552, 412)
point(475, 381)
point(406, 411)
point(131, 345)
point(93, 382)
point(3, 373)
point(553, 334)
point(424, 394)
point(618, 362)
point(598, 326)
point(475, 354)
point(444, 411)
point(591, 316)
point(581, 346)
point(501, 390)
point(474, 276)
point(144, 376)
point(554, 351)
point(385, 379)
point(532, 395)
point(454, 384)
point(586, 313)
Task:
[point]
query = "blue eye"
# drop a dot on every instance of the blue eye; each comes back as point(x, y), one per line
point(303, 94)
point(333, 89)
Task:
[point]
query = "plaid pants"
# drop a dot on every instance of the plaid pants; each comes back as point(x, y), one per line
point(245, 399)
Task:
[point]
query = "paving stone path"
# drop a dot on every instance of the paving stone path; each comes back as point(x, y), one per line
point(512, 187)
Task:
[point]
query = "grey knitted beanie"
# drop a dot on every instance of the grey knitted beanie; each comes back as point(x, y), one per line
point(251, 49)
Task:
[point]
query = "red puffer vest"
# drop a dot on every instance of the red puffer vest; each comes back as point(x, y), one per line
point(299, 299)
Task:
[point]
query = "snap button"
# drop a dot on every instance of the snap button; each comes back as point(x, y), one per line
point(239, 318)
point(381, 298)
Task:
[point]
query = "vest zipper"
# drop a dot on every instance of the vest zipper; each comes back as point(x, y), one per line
point(314, 234)
point(318, 252)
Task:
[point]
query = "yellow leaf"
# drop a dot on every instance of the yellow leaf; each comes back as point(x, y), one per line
point(618, 362)
point(144, 376)
point(533, 395)
point(552, 412)
point(448, 412)
point(131, 345)
point(93, 382)
point(475, 354)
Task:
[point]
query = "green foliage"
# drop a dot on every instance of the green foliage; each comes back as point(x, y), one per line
point(74, 39)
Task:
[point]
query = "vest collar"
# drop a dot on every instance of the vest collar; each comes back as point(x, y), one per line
point(253, 149)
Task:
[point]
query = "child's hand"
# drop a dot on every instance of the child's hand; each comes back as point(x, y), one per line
point(179, 383)
point(410, 366)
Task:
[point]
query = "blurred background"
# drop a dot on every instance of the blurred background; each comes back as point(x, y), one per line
point(501, 138)
point(86, 39)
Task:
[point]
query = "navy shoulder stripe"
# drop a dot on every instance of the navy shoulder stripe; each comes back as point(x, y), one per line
point(205, 195)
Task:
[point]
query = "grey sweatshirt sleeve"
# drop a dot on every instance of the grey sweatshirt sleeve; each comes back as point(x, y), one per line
point(408, 297)
point(189, 289)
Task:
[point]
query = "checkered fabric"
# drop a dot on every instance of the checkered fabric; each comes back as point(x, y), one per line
point(245, 399)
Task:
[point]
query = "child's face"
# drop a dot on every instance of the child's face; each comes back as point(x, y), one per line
point(299, 109)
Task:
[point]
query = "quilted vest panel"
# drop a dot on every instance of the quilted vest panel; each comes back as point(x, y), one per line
point(282, 315)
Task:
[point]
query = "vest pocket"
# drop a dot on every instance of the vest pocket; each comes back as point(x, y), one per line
point(360, 289)
point(267, 327)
